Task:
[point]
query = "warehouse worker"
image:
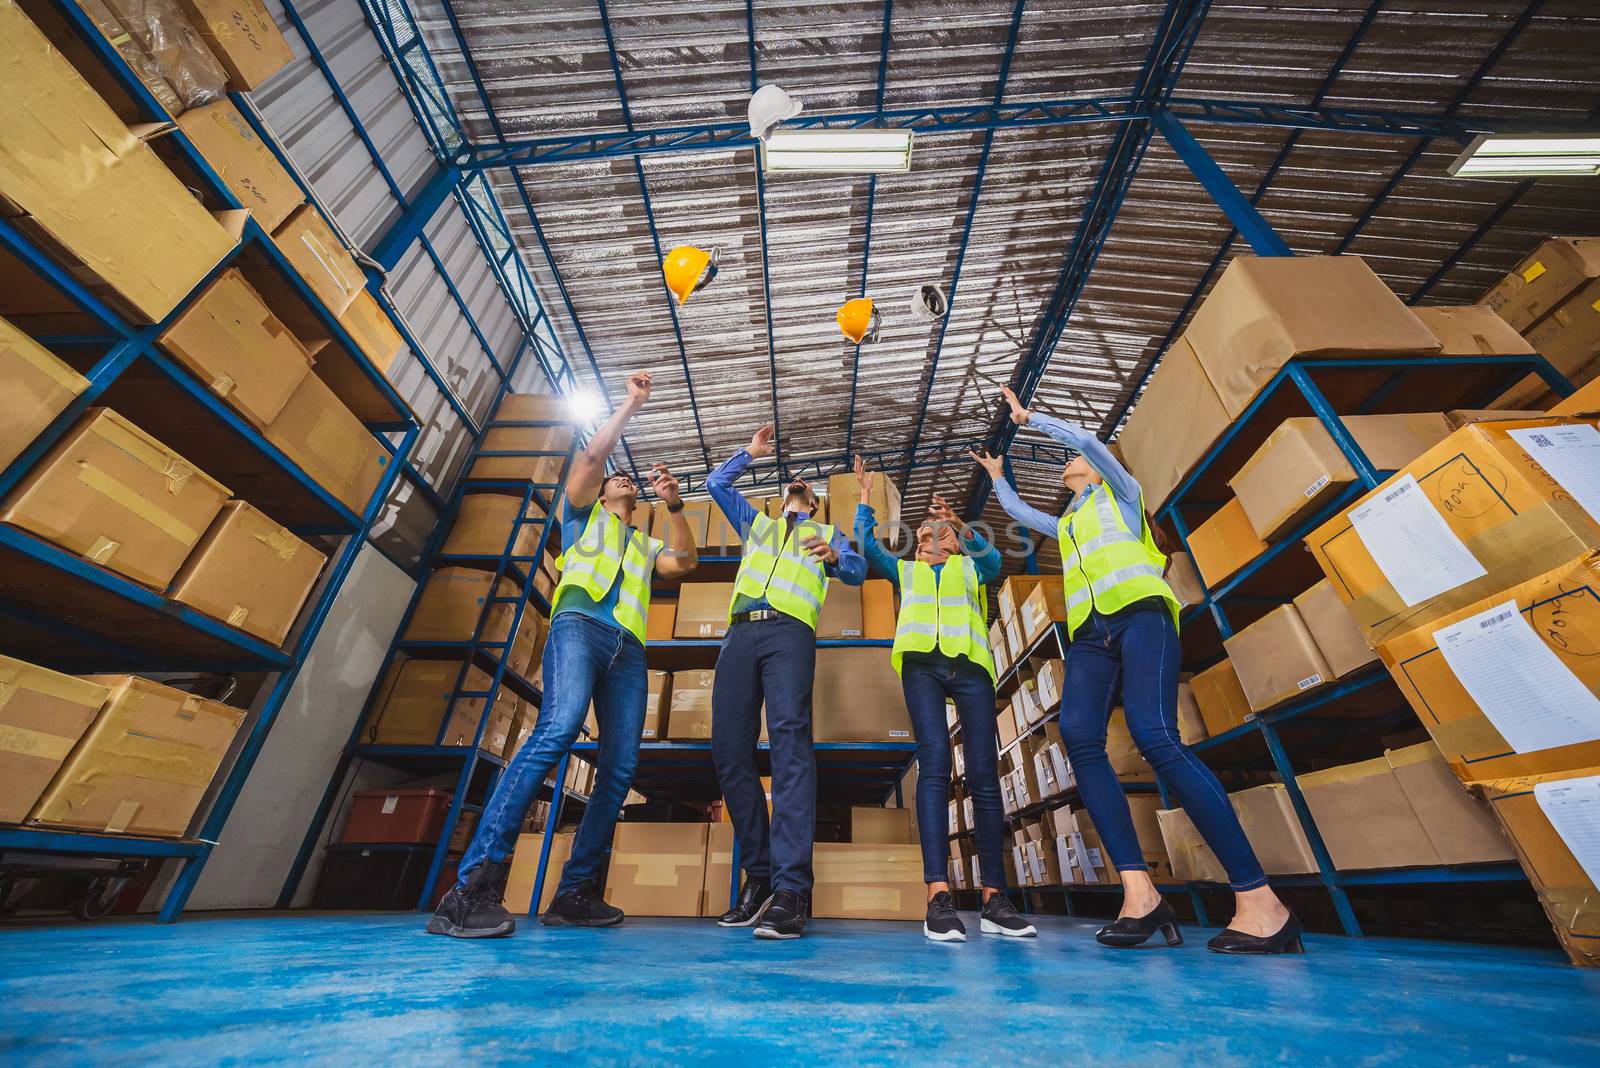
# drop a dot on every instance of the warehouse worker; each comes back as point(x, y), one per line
point(595, 653)
point(941, 652)
point(1123, 620)
point(770, 654)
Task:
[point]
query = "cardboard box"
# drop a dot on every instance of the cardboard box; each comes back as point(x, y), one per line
point(411, 705)
point(483, 526)
point(1016, 588)
point(1501, 505)
point(533, 408)
point(527, 645)
point(696, 514)
point(1299, 469)
point(1334, 629)
point(114, 494)
point(689, 718)
point(1569, 337)
point(1460, 417)
point(1184, 579)
point(1006, 726)
point(1145, 809)
point(1265, 310)
point(882, 826)
point(1564, 882)
point(657, 706)
point(661, 621)
point(1223, 705)
point(525, 865)
point(1014, 640)
point(74, 177)
point(1274, 831)
point(1126, 760)
point(1045, 604)
point(451, 602)
point(702, 610)
point(878, 614)
point(1364, 817)
point(42, 716)
point(39, 387)
point(318, 254)
point(845, 492)
point(868, 881)
point(132, 50)
point(1586, 401)
point(857, 698)
point(318, 433)
point(1224, 543)
point(1544, 278)
point(241, 351)
point(1192, 860)
point(245, 163)
point(376, 336)
point(1563, 608)
point(842, 614)
point(1461, 827)
point(243, 37)
point(542, 469)
point(1049, 682)
point(1191, 724)
point(1176, 421)
point(715, 899)
point(1472, 330)
point(145, 763)
point(722, 537)
point(658, 869)
point(250, 573)
point(1276, 658)
point(999, 648)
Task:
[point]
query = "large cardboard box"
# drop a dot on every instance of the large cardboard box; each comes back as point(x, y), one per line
point(1177, 420)
point(1045, 604)
point(243, 37)
point(245, 163)
point(1223, 705)
point(116, 495)
point(241, 351)
point(1274, 831)
point(1364, 817)
point(715, 900)
point(317, 253)
point(145, 763)
point(451, 602)
point(1298, 469)
point(1476, 498)
point(658, 869)
point(374, 333)
point(1276, 658)
point(1224, 543)
point(42, 716)
point(1184, 579)
point(657, 705)
point(722, 537)
point(1544, 278)
point(1191, 724)
point(1472, 330)
point(702, 610)
point(1586, 401)
point(1015, 589)
point(1126, 760)
point(878, 615)
point(483, 526)
point(857, 698)
point(527, 646)
point(845, 493)
point(320, 434)
point(1550, 821)
point(534, 408)
point(689, 715)
point(1535, 719)
point(1461, 827)
point(882, 826)
point(663, 618)
point(1192, 860)
point(1334, 629)
point(1569, 337)
point(1145, 809)
point(38, 388)
point(76, 178)
point(525, 866)
point(411, 705)
point(696, 515)
point(842, 613)
point(249, 572)
point(873, 881)
point(545, 470)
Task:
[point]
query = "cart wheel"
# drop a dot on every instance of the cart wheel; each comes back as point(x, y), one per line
point(12, 891)
point(98, 898)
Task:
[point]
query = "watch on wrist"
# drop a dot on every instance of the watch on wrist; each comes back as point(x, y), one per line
point(675, 506)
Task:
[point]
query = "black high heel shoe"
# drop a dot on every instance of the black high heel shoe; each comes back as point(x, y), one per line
point(1286, 940)
point(1129, 931)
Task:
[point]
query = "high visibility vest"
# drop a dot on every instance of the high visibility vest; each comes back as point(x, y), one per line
point(951, 612)
point(1104, 565)
point(790, 579)
point(590, 564)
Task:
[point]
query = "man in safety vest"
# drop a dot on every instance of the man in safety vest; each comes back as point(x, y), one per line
point(770, 654)
point(941, 653)
point(595, 653)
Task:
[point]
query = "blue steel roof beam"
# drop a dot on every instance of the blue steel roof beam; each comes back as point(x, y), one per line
point(1505, 42)
point(866, 240)
point(1114, 420)
point(966, 234)
point(1169, 50)
point(655, 235)
point(766, 268)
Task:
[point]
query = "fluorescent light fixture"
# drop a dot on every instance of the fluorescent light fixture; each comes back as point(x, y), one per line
point(838, 151)
point(1525, 155)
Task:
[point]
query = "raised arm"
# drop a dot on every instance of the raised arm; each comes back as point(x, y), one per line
point(1123, 485)
point(984, 557)
point(719, 483)
point(1028, 516)
point(879, 558)
point(680, 556)
point(589, 466)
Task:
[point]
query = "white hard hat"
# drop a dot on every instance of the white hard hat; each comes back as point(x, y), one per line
point(928, 303)
point(769, 106)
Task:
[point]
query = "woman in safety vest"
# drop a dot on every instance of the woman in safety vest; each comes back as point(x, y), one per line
point(1123, 620)
point(941, 652)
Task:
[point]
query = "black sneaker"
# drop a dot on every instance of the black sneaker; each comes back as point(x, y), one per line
point(581, 908)
point(942, 924)
point(473, 909)
point(1000, 917)
point(785, 916)
point(754, 898)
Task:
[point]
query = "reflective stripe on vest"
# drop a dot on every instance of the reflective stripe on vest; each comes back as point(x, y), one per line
point(790, 579)
point(1105, 566)
point(592, 562)
point(950, 612)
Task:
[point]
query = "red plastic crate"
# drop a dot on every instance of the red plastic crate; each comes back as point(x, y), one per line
point(414, 816)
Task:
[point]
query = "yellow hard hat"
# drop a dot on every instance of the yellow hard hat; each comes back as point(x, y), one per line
point(688, 270)
point(858, 320)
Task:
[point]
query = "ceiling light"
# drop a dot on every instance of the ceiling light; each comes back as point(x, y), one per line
point(838, 151)
point(586, 406)
point(1524, 155)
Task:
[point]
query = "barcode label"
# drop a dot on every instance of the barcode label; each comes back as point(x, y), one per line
point(1315, 486)
point(1309, 681)
point(899, 734)
point(1399, 491)
point(1496, 619)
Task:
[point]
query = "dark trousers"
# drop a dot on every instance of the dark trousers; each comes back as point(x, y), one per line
point(928, 679)
point(773, 660)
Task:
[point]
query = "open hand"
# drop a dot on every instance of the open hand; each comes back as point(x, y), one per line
point(664, 483)
point(992, 464)
point(761, 442)
point(865, 479)
point(821, 550)
point(1019, 414)
point(639, 387)
point(940, 511)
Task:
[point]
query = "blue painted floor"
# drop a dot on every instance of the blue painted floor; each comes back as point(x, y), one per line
point(357, 990)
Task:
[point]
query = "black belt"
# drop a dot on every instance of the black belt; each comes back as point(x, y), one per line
point(757, 616)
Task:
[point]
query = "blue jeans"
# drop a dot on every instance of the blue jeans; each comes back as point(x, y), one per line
point(584, 659)
point(1137, 651)
point(928, 679)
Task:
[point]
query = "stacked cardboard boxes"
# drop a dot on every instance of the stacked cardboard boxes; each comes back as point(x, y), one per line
point(1552, 299)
